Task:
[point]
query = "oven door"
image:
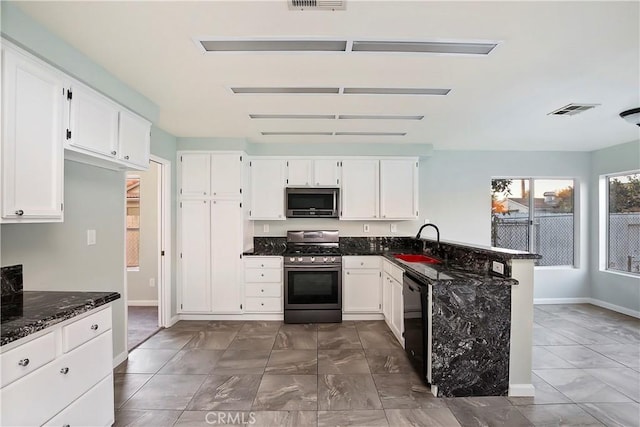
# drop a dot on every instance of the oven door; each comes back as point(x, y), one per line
point(314, 287)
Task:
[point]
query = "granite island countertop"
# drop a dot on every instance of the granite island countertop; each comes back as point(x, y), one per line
point(42, 309)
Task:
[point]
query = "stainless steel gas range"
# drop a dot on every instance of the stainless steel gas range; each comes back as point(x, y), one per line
point(312, 277)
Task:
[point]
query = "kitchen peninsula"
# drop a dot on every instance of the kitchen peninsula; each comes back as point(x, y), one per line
point(481, 322)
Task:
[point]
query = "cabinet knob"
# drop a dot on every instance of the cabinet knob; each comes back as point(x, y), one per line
point(215, 194)
point(347, 273)
point(205, 193)
point(64, 371)
point(23, 362)
point(126, 157)
point(261, 290)
point(262, 304)
point(261, 274)
point(19, 212)
point(94, 327)
point(261, 265)
point(113, 153)
point(66, 425)
point(362, 263)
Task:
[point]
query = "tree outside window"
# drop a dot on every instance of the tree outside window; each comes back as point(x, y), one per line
point(623, 222)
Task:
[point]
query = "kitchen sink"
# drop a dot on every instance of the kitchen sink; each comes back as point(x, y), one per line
point(417, 258)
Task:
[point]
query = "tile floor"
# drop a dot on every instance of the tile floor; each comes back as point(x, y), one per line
point(142, 323)
point(586, 370)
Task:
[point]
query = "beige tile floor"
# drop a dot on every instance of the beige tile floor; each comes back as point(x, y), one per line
point(586, 370)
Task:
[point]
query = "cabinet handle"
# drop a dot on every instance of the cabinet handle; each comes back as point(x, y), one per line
point(64, 371)
point(113, 153)
point(19, 212)
point(23, 362)
point(126, 157)
point(94, 327)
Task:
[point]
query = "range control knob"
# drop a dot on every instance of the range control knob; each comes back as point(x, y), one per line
point(300, 259)
point(333, 259)
point(292, 259)
point(313, 259)
point(325, 259)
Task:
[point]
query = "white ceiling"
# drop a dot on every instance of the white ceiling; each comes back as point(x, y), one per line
point(550, 54)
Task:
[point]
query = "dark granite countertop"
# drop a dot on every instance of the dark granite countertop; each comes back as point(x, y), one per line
point(42, 309)
point(444, 274)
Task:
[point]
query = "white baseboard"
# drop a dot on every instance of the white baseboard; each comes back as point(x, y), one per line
point(173, 321)
point(543, 301)
point(599, 303)
point(619, 309)
point(239, 317)
point(372, 316)
point(522, 390)
point(120, 358)
point(143, 303)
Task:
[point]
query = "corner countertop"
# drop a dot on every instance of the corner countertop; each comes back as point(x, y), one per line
point(444, 274)
point(37, 310)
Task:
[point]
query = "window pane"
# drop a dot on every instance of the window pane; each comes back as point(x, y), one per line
point(510, 214)
point(624, 223)
point(133, 222)
point(553, 226)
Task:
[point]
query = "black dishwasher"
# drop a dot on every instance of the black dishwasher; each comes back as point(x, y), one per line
point(416, 325)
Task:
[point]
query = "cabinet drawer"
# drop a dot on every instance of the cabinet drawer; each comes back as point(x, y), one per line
point(263, 304)
point(35, 398)
point(361, 262)
point(393, 271)
point(85, 329)
point(263, 289)
point(262, 275)
point(263, 262)
point(26, 358)
point(94, 408)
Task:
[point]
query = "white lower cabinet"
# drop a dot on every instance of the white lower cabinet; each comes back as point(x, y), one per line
point(75, 388)
point(263, 284)
point(393, 303)
point(361, 285)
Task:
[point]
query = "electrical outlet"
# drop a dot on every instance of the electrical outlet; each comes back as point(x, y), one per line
point(497, 267)
point(152, 282)
point(426, 221)
point(394, 228)
point(265, 228)
point(365, 228)
point(91, 237)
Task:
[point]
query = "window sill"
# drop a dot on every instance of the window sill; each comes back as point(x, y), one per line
point(555, 267)
point(621, 273)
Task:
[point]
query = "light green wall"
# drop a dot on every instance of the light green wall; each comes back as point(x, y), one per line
point(618, 289)
point(24, 31)
point(56, 256)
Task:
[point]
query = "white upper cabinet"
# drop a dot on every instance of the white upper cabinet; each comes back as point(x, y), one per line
point(93, 122)
point(194, 174)
point(313, 173)
point(134, 138)
point(359, 191)
point(226, 175)
point(33, 101)
point(268, 180)
point(205, 175)
point(398, 189)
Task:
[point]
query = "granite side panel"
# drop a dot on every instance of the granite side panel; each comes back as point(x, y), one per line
point(11, 279)
point(471, 335)
point(269, 245)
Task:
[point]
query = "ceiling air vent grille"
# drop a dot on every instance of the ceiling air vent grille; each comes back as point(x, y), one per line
point(572, 109)
point(317, 4)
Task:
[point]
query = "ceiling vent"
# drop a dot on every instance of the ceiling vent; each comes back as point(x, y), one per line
point(572, 109)
point(317, 4)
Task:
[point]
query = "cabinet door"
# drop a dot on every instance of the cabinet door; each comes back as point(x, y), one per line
point(397, 310)
point(226, 248)
point(226, 175)
point(93, 122)
point(32, 145)
point(195, 175)
point(299, 172)
point(359, 189)
point(386, 298)
point(134, 139)
point(326, 173)
point(267, 189)
point(195, 259)
point(362, 293)
point(399, 189)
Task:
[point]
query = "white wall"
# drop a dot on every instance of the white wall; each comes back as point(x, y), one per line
point(139, 290)
point(56, 256)
point(620, 290)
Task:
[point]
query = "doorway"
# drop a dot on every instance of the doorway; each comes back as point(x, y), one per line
point(147, 236)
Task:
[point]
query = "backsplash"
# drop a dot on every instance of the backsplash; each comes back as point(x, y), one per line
point(11, 279)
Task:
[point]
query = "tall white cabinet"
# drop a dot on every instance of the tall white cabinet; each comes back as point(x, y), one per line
point(210, 232)
point(33, 122)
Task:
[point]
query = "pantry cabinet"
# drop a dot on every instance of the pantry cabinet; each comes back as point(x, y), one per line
point(33, 106)
point(210, 233)
point(268, 182)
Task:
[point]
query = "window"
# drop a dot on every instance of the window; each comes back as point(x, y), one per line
point(534, 215)
point(623, 222)
point(133, 222)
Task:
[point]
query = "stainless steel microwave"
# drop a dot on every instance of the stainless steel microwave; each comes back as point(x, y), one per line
point(310, 202)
